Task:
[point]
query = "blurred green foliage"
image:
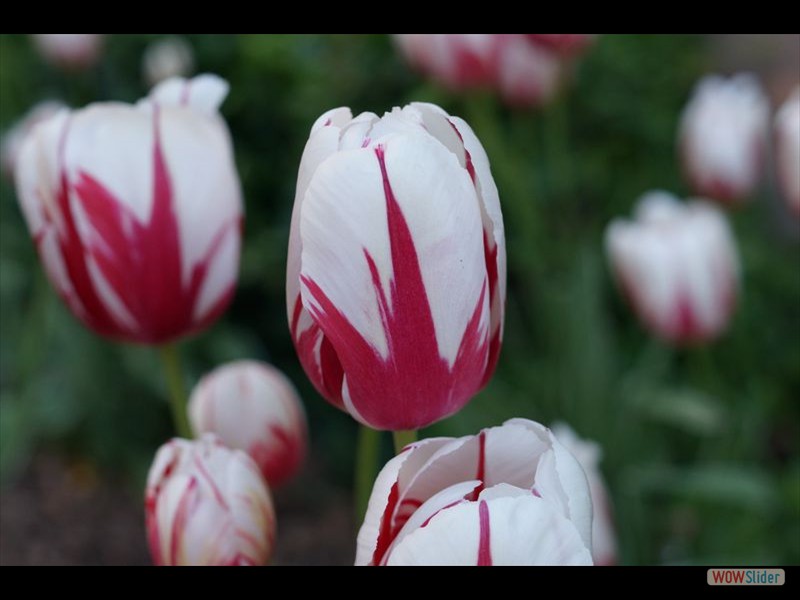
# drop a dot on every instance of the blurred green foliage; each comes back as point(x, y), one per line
point(702, 446)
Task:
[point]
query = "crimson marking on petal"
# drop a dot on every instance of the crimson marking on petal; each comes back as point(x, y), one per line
point(490, 255)
point(484, 545)
point(385, 531)
point(280, 458)
point(217, 493)
point(445, 507)
point(414, 382)
point(180, 518)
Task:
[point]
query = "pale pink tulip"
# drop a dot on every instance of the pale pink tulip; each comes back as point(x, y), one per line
point(69, 50)
point(396, 273)
point(787, 150)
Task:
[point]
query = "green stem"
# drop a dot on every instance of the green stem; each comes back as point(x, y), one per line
point(366, 467)
point(171, 359)
point(403, 439)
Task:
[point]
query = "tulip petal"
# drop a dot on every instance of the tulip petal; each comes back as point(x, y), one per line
point(204, 93)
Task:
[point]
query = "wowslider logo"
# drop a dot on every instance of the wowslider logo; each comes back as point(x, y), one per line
point(746, 577)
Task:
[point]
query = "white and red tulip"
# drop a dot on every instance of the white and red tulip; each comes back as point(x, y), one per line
point(136, 210)
point(787, 150)
point(207, 505)
point(69, 50)
point(511, 495)
point(564, 43)
point(11, 143)
point(589, 454)
point(253, 407)
point(722, 137)
point(165, 58)
point(396, 274)
point(678, 266)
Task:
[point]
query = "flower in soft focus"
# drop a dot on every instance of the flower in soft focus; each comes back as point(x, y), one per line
point(11, 143)
point(511, 495)
point(253, 407)
point(165, 58)
point(207, 505)
point(678, 266)
point(589, 454)
point(396, 273)
point(722, 137)
point(525, 69)
point(136, 210)
point(69, 50)
point(787, 149)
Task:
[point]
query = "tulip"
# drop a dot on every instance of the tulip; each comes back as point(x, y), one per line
point(787, 150)
point(166, 58)
point(136, 210)
point(253, 407)
point(69, 50)
point(11, 143)
point(678, 266)
point(589, 454)
point(722, 136)
point(564, 43)
point(207, 505)
point(396, 273)
point(511, 495)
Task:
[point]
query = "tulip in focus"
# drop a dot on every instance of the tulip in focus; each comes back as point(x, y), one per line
point(677, 264)
point(589, 454)
point(511, 495)
point(69, 50)
point(165, 58)
point(11, 143)
point(787, 150)
point(207, 505)
point(396, 274)
point(136, 210)
point(253, 407)
point(722, 137)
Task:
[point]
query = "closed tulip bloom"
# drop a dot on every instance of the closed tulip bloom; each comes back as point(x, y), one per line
point(136, 210)
point(165, 58)
point(69, 50)
point(722, 137)
point(589, 454)
point(511, 495)
point(787, 150)
point(253, 407)
point(396, 273)
point(677, 264)
point(207, 505)
point(564, 43)
point(11, 143)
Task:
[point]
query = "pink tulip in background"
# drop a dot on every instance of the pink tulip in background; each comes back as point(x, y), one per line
point(12, 140)
point(396, 275)
point(722, 137)
point(678, 266)
point(69, 50)
point(787, 150)
point(136, 210)
point(165, 58)
point(207, 505)
point(589, 454)
point(564, 43)
point(511, 495)
point(253, 407)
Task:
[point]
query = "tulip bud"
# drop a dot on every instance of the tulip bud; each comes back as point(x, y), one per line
point(787, 150)
point(396, 274)
point(207, 505)
point(677, 264)
point(253, 407)
point(11, 143)
point(564, 43)
point(169, 57)
point(722, 137)
point(69, 50)
point(136, 210)
point(589, 454)
point(511, 495)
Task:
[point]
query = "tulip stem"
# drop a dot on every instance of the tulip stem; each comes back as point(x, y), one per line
point(403, 439)
point(171, 358)
point(366, 467)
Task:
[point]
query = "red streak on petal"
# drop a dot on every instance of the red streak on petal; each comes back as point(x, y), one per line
point(484, 545)
point(385, 532)
point(445, 507)
point(180, 519)
point(217, 493)
point(281, 457)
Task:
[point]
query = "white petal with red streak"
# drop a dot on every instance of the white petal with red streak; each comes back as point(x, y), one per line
point(203, 93)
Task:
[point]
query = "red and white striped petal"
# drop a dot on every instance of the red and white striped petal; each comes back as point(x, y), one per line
point(204, 93)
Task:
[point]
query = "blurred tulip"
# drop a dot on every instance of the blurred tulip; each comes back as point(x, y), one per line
point(678, 266)
point(564, 43)
point(136, 210)
point(207, 505)
point(787, 149)
point(511, 495)
point(165, 58)
point(11, 143)
point(69, 50)
point(396, 275)
point(722, 137)
point(253, 407)
point(589, 454)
